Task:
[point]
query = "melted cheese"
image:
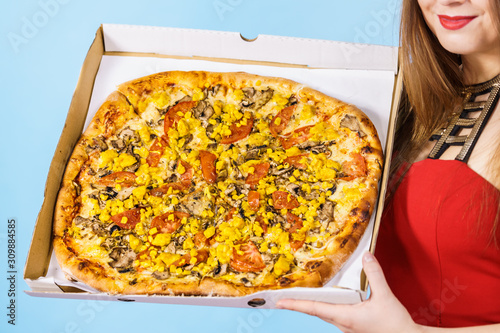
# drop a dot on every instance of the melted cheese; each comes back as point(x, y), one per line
point(320, 175)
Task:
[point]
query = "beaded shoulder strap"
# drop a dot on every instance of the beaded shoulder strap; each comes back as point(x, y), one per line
point(449, 136)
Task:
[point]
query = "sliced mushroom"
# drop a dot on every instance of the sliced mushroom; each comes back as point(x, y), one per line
point(99, 144)
point(321, 149)
point(294, 189)
point(196, 203)
point(246, 282)
point(109, 192)
point(352, 123)
point(267, 258)
point(98, 229)
point(186, 98)
point(283, 172)
point(96, 195)
point(198, 110)
point(122, 257)
point(112, 228)
point(102, 172)
point(133, 168)
point(161, 275)
point(230, 188)
point(124, 193)
point(80, 219)
point(77, 187)
point(170, 247)
point(118, 144)
point(214, 90)
point(315, 146)
point(187, 140)
point(210, 129)
point(242, 189)
point(245, 103)
point(180, 240)
point(310, 196)
point(236, 173)
point(255, 99)
point(278, 219)
point(326, 212)
point(333, 189)
point(249, 92)
point(293, 100)
point(172, 165)
point(220, 270)
point(212, 146)
point(222, 175)
point(203, 111)
point(253, 154)
point(129, 136)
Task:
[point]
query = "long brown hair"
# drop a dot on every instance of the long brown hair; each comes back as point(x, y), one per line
point(432, 82)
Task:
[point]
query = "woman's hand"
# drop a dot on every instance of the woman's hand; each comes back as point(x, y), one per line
point(382, 312)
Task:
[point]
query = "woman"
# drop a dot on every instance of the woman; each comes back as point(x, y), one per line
point(439, 242)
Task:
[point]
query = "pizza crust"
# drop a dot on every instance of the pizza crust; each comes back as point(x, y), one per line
point(123, 105)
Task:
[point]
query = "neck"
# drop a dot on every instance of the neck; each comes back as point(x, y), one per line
point(482, 67)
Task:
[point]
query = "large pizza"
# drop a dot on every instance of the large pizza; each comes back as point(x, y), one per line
point(200, 183)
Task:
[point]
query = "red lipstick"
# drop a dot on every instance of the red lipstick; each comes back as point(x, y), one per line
point(455, 22)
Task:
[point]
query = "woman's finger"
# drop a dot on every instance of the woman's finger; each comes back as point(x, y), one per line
point(313, 308)
point(375, 276)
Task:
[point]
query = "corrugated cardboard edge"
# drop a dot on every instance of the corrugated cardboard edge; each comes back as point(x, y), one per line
point(398, 87)
point(39, 252)
point(257, 300)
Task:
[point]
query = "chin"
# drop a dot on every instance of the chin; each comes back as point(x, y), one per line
point(459, 45)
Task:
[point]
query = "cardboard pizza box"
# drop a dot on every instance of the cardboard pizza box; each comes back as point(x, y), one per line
point(364, 75)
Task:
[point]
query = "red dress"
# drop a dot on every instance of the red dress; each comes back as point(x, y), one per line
point(435, 245)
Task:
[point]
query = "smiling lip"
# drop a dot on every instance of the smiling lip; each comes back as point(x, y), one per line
point(455, 22)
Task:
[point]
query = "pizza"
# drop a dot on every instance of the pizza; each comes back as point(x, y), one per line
point(221, 184)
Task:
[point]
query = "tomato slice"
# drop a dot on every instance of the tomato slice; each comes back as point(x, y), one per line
point(133, 217)
point(200, 241)
point(296, 161)
point(354, 168)
point(187, 175)
point(298, 136)
point(166, 224)
point(263, 224)
point(295, 224)
point(238, 133)
point(281, 120)
point(207, 160)
point(260, 171)
point(230, 214)
point(201, 256)
point(156, 151)
point(182, 185)
point(254, 200)
point(176, 113)
point(249, 261)
point(162, 190)
point(283, 199)
point(122, 178)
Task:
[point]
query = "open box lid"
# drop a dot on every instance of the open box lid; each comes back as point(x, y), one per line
point(231, 46)
point(144, 50)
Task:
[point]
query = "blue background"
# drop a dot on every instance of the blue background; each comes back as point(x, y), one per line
point(43, 44)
